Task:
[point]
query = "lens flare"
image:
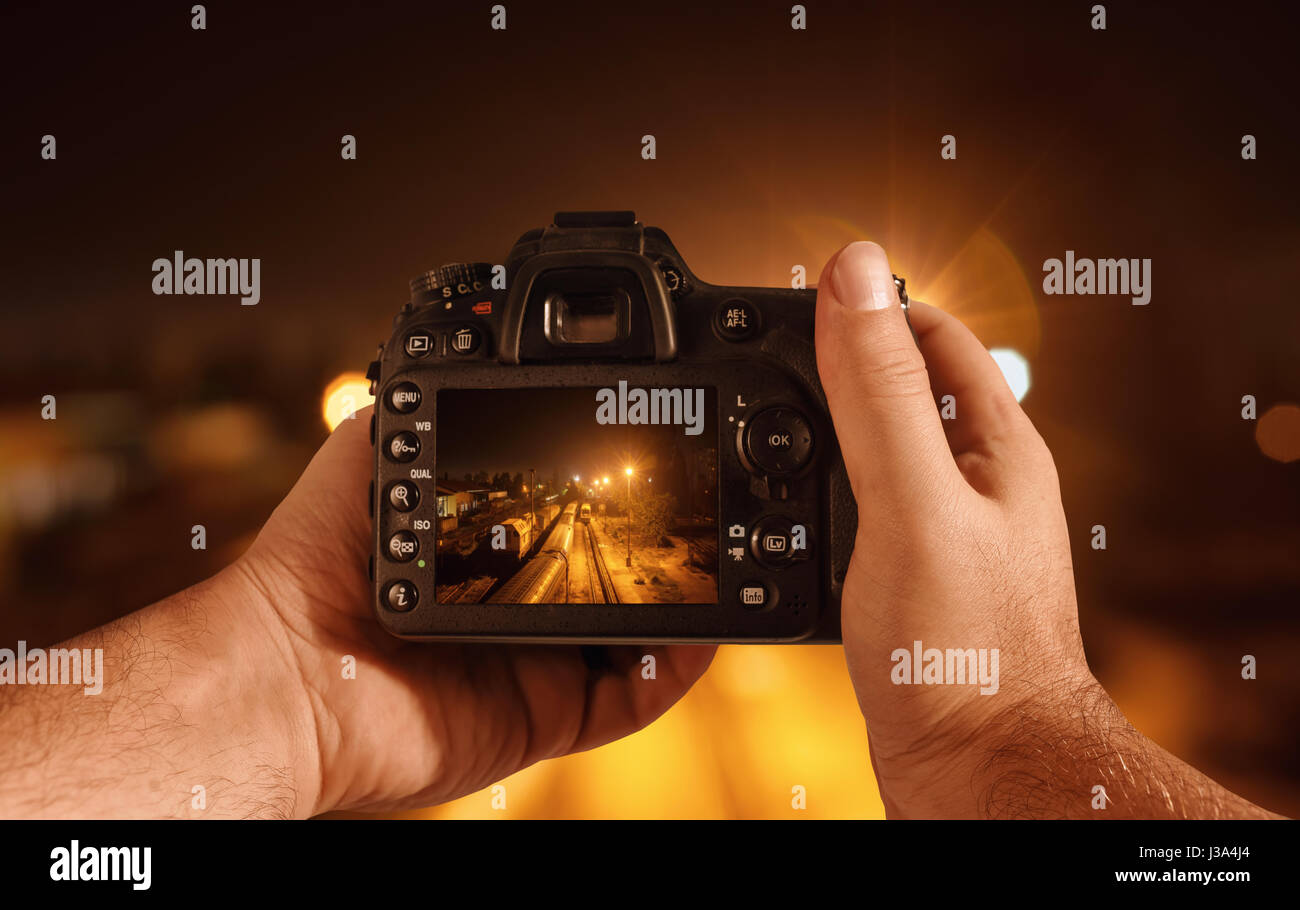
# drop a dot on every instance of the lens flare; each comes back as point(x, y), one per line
point(1015, 369)
point(347, 394)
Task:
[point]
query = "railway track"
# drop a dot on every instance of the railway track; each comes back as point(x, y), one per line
point(598, 578)
point(466, 592)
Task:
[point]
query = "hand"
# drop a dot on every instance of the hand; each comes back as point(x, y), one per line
point(424, 723)
point(962, 544)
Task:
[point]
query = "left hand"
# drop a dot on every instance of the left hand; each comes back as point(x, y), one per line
point(420, 723)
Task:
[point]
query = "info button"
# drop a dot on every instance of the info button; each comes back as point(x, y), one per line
point(755, 595)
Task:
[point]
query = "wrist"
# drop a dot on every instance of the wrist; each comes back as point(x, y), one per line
point(267, 690)
point(197, 715)
point(991, 762)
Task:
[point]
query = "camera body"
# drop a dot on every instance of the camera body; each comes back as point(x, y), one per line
point(590, 444)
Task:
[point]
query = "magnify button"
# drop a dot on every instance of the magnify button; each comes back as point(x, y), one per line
point(403, 496)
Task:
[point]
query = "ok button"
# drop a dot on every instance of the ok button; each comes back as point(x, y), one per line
point(777, 440)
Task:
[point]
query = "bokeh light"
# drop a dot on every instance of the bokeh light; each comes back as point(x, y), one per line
point(347, 394)
point(1015, 369)
point(1278, 433)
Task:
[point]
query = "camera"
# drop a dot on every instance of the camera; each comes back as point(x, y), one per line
point(589, 444)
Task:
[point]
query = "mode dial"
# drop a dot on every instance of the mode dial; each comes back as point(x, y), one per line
point(456, 279)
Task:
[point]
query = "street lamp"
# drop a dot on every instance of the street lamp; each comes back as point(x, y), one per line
point(628, 472)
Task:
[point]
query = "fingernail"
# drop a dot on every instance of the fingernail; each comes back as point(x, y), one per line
point(862, 279)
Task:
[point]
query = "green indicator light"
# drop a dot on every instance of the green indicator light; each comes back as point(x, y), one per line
point(420, 563)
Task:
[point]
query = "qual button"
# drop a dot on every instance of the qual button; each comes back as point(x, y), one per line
point(403, 496)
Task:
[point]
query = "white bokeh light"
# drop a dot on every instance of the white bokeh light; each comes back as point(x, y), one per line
point(1014, 367)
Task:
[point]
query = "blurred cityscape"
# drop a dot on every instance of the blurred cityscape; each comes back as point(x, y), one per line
point(178, 411)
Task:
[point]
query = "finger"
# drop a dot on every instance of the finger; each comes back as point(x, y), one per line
point(988, 432)
point(876, 383)
point(623, 702)
point(330, 493)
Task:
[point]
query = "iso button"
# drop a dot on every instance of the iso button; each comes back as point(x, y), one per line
point(403, 546)
point(778, 441)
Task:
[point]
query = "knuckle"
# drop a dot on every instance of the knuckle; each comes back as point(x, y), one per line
point(889, 373)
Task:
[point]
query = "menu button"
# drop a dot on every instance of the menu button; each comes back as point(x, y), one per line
point(404, 397)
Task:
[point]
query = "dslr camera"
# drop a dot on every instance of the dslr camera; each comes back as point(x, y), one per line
point(589, 444)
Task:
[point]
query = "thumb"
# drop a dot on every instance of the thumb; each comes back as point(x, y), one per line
point(876, 383)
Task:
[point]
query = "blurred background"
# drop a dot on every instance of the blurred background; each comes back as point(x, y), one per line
point(774, 148)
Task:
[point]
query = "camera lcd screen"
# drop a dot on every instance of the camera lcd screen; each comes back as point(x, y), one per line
point(577, 495)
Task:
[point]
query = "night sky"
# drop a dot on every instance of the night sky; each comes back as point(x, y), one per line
point(554, 431)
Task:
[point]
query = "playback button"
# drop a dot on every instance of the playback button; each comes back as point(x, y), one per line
point(419, 344)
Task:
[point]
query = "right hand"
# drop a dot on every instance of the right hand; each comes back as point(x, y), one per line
point(961, 542)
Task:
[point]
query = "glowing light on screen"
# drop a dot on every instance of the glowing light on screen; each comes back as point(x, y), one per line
point(1015, 368)
point(347, 394)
